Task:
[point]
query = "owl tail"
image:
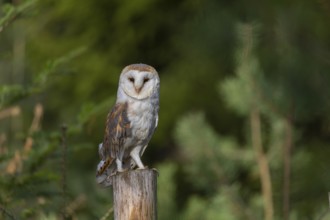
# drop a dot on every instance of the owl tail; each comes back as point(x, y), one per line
point(105, 170)
point(108, 168)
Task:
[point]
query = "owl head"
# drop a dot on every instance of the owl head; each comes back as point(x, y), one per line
point(138, 81)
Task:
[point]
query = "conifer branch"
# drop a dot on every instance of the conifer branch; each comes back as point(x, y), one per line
point(13, 12)
point(287, 149)
point(107, 214)
point(10, 112)
point(63, 170)
point(72, 207)
point(248, 32)
point(6, 212)
point(263, 164)
point(326, 211)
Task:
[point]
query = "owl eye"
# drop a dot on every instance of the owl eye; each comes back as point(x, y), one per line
point(131, 79)
point(146, 79)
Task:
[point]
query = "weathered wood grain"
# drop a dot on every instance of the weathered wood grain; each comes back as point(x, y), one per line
point(135, 195)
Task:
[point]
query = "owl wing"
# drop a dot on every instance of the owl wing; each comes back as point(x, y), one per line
point(117, 130)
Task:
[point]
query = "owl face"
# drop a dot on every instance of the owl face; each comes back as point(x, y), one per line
point(139, 81)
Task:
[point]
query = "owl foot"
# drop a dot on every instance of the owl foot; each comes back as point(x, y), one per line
point(142, 168)
point(115, 172)
point(119, 171)
point(154, 169)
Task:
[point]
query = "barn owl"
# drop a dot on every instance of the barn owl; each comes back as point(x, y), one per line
point(131, 122)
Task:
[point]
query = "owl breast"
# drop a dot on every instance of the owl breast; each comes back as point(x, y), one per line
point(142, 116)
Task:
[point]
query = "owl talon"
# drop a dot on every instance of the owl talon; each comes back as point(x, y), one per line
point(154, 169)
point(118, 172)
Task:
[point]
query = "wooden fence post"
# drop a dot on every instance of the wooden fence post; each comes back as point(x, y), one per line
point(135, 195)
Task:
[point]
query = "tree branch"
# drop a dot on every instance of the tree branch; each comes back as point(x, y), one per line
point(13, 12)
point(263, 165)
point(287, 148)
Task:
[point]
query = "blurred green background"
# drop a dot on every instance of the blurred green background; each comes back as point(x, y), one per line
point(244, 125)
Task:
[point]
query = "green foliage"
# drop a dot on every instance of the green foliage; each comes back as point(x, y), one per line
point(11, 12)
point(51, 65)
point(218, 207)
point(10, 92)
point(214, 164)
point(243, 92)
point(167, 207)
point(213, 159)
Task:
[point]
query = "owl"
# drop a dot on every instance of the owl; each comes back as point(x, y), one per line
point(131, 122)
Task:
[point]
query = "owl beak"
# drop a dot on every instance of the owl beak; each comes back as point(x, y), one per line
point(138, 89)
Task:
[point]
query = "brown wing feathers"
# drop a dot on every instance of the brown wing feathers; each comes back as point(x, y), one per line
point(118, 130)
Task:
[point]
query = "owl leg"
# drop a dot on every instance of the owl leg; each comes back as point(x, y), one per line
point(119, 165)
point(135, 154)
